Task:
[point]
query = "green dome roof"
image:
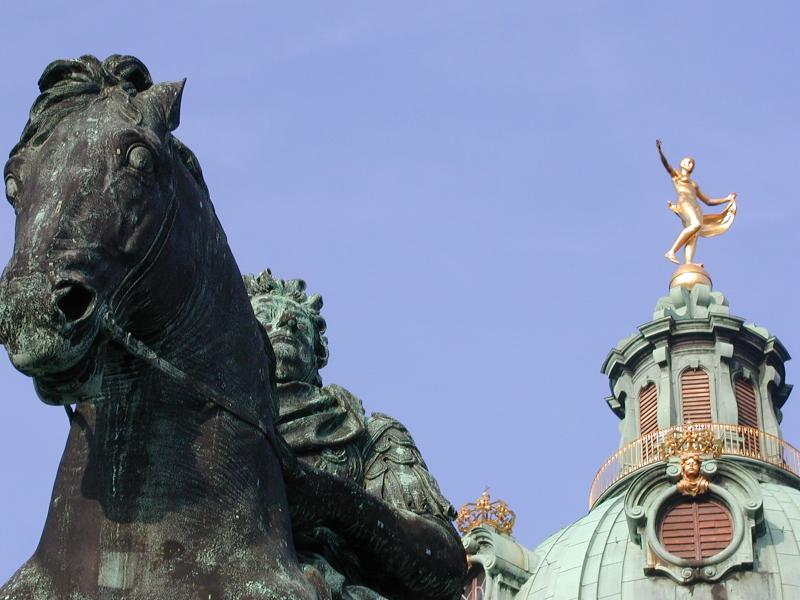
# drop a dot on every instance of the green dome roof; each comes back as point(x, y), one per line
point(595, 559)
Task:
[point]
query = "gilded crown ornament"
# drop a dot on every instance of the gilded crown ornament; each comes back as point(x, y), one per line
point(495, 514)
point(691, 446)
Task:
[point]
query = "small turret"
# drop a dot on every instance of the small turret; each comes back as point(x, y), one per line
point(498, 564)
point(695, 363)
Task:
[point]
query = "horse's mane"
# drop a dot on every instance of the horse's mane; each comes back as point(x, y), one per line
point(70, 85)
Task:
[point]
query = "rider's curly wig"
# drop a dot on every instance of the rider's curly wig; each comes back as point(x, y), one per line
point(69, 85)
point(264, 284)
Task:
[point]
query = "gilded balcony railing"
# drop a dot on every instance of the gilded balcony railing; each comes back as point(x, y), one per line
point(737, 440)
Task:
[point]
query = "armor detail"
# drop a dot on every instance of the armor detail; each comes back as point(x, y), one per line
point(396, 472)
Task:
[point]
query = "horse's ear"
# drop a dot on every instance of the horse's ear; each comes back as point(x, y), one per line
point(166, 98)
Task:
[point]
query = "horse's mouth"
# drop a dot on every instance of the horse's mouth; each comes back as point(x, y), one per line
point(42, 350)
point(63, 386)
point(81, 365)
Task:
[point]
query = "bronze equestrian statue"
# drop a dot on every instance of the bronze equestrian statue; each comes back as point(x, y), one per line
point(122, 299)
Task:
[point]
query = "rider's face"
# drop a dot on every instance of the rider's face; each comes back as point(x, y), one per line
point(687, 164)
point(292, 335)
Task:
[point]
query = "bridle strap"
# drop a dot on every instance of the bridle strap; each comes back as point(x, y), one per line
point(141, 268)
point(140, 350)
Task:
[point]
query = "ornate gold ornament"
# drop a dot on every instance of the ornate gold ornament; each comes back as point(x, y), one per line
point(695, 223)
point(495, 514)
point(692, 482)
point(689, 275)
point(691, 445)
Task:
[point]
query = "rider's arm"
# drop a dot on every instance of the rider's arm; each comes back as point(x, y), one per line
point(672, 172)
point(396, 521)
point(405, 555)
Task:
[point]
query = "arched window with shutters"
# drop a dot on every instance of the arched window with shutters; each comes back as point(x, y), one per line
point(695, 529)
point(695, 396)
point(648, 409)
point(747, 408)
point(648, 419)
point(746, 403)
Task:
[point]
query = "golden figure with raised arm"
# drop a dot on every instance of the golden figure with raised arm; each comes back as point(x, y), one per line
point(695, 223)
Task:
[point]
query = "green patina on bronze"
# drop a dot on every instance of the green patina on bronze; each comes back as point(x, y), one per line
point(616, 551)
point(326, 426)
point(122, 298)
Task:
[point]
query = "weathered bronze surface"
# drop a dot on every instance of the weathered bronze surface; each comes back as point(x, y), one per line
point(123, 299)
point(371, 463)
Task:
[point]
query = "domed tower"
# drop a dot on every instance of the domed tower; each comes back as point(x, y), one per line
point(702, 499)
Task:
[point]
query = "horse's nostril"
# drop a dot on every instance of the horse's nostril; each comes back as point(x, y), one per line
point(76, 302)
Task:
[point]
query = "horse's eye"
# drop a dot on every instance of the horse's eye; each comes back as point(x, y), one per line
point(12, 189)
point(140, 158)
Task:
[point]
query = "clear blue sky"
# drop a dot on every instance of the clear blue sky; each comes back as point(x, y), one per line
point(474, 189)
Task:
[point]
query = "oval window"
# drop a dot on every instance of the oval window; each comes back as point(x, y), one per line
point(696, 528)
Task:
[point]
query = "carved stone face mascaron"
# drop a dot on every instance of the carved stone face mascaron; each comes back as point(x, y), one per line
point(292, 335)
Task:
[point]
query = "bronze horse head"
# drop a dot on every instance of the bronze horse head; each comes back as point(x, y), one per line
point(92, 181)
point(122, 297)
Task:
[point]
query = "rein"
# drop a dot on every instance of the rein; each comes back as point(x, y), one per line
point(143, 352)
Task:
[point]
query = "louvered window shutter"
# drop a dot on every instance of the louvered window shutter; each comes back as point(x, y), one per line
point(648, 409)
point(696, 396)
point(746, 403)
point(696, 529)
point(748, 417)
point(648, 419)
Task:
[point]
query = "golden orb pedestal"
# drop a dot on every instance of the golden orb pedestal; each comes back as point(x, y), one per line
point(689, 275)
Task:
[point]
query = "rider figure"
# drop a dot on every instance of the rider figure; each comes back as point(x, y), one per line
point(327, 429)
